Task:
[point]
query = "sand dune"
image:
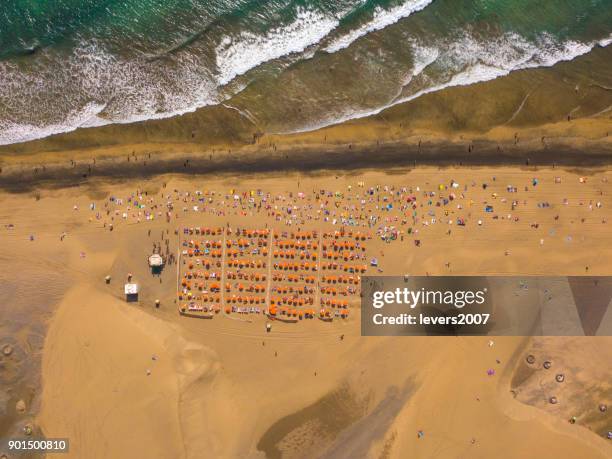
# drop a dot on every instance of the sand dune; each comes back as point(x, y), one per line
point(97, 391)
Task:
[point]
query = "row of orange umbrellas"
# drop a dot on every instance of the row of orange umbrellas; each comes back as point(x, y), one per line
point(251, 233)
point(340, 245)
point(334, 291)
point(358, 236)
point(291, 301)
point(334, 303)
point(327, 313)
point(291, 289)
point(206, 230)
point(292, 254)
point(242, 299)
point(298, 244)
point(202, 275)
point(207, 244)
point(344, 255)
point(206, 263)
point(246, 263)
point(290, 244)
point(293, 278)
point(249, 288)
point(245, 276)
point(209, 299)
point(273, 310)
point(341, 279)
point(344, 267)
point(239, 253)
point(304, 235)
point(200, 286)
point(244, 243)
point(239, 242)
point(213, 253)
point(192, 297)
point(185, 283)
point(295, 266)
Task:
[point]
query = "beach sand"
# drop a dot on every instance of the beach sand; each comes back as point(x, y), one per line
point(97, 392)
point(132, 380)
point(226, 388)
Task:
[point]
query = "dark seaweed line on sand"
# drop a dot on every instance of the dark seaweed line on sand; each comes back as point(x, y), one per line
point(381, 158)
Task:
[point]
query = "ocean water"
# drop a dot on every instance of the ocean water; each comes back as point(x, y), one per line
point(287, 65)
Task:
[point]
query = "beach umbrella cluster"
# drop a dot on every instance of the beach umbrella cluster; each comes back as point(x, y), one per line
point(294, 271)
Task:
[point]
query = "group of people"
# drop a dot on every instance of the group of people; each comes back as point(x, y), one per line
point(391, 212)
point(386, 213)
point(245, 275)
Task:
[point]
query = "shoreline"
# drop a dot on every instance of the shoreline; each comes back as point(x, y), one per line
point(558, 115)
point(580, 88)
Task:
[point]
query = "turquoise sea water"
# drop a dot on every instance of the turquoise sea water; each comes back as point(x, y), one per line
point(71, 63)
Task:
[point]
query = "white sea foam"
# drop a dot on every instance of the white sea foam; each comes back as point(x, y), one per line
point(92, 88)
point(237, 55)
point(131, 90)
point(468, 61)
point(11, 132)
point(605, 41)
point(382, 18)
point(424, 56)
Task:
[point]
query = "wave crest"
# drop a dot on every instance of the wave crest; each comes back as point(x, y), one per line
point(382, 18)
point(238, 55)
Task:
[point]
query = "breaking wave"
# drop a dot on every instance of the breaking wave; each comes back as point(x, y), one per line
point(93, 80)
point(382, 18)
point(468, 61)
point(238, 55)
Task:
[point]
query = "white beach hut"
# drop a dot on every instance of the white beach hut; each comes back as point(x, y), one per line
point(131, 291)
point(156, 260)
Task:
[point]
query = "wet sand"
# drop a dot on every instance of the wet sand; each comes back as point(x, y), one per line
point(561, 115)
point(228, 387)
point(305, 160)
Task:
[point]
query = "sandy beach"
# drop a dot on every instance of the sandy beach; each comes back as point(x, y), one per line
point(192, 192)
point(126, 379)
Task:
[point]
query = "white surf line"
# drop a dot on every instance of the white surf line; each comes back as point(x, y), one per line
point(382, 18)
point(605, 110)
point(518, 110)
point(458, 80)
point(243, 113)
point(573, 110)
point(601, 86)
point(238, 54)
point(605, 41)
